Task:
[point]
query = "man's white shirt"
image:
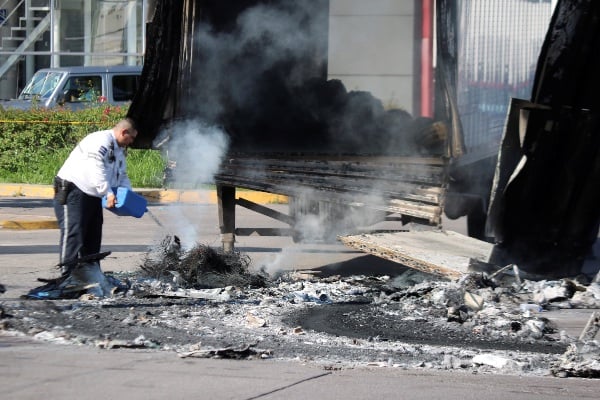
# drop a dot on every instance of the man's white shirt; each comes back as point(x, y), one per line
point(96, 165)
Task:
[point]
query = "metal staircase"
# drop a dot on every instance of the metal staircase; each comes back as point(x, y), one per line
point(34, 17)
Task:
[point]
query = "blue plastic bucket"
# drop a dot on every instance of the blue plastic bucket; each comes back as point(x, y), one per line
point(129, 203)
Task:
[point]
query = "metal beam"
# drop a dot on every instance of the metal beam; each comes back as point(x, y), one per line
point(269, 212)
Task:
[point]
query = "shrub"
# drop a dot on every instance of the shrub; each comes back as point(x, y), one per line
point(34, 143)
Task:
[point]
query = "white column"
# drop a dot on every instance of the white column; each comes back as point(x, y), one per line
point(87, 31)
point(30, 24)
point(54, 34)
point(131, 28)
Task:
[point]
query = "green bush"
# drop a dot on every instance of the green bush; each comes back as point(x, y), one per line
point(34, 144)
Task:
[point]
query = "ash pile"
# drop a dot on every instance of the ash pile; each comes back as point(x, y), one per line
point(488, 323)
point(203, 303)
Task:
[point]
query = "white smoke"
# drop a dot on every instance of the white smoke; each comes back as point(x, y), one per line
point(197, 150)
point(275, 263)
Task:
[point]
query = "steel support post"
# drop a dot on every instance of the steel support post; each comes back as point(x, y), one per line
point(226, 203)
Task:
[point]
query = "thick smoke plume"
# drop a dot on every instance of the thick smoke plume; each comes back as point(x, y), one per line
point(234, 59)
point(198, 150)
point(262, 77)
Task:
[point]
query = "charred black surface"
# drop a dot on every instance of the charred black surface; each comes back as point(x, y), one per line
point(543, 212)
point(371, 322)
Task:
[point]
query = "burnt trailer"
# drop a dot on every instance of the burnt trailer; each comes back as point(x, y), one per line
point(258, 70)
point(270, 73)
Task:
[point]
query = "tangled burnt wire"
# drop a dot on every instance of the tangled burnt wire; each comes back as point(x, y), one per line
point(200, 267)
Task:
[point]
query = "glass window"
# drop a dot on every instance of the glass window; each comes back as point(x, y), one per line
point(83, 89)
point(124, 87)
point(84, 32)
point(42, 84)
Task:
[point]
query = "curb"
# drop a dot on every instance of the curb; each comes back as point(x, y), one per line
point(18, 190)
point(156, 196)
point(29, 225)
point(208, 196)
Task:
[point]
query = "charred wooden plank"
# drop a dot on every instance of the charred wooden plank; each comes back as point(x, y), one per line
point(442, 253)
point(412, 186)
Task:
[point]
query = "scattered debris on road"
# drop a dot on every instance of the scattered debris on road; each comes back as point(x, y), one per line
point(489, 323)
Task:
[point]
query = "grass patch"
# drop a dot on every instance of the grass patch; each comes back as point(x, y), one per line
point(145, 168)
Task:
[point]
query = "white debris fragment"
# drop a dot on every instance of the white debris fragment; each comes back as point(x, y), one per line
point(253, 321)
point(453, 362)
point(53, 336)
point(137, 343)
point(553, 291)
point(591, 328)
point(536, 328)
point(587, 299)
point(473, 301)
point(531, 307)
point(493, 360)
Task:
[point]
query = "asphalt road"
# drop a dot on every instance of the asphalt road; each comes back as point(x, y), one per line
point(28, 254)
point(33, 369)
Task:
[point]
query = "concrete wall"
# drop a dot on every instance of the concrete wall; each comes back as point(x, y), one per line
point(372, 48)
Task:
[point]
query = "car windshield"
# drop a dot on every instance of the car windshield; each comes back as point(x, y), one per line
point(42, 84)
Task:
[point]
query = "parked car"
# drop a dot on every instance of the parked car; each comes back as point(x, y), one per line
point(77, 87)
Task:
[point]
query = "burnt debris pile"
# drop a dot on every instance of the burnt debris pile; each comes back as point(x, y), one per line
point(200, 267)
point(481, 323)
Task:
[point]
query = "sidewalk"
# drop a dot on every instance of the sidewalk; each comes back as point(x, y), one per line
point(34, 370)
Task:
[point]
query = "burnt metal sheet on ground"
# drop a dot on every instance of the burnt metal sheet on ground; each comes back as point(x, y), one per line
point(443, 253)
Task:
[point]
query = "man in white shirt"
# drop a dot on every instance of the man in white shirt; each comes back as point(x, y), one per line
point(94, 167)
